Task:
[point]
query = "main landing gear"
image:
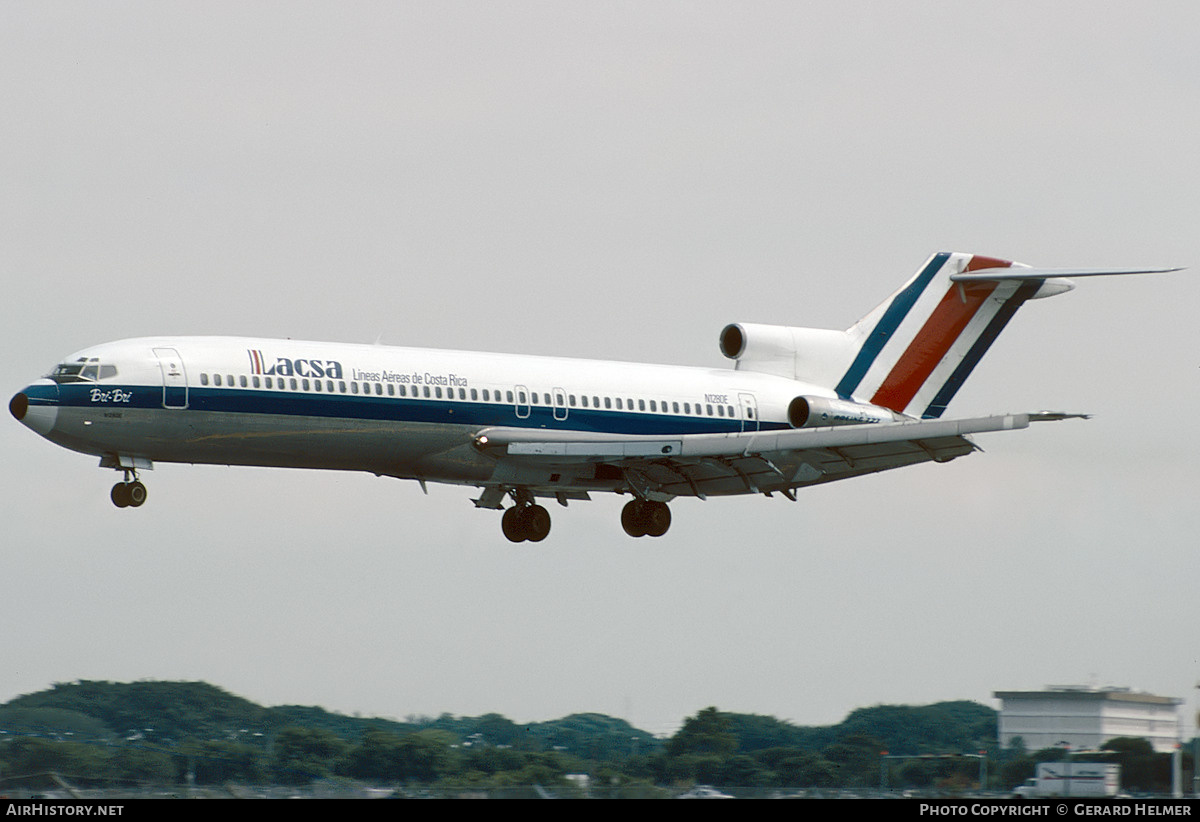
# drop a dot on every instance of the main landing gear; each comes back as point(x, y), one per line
point(526, 521)
point(130, 493)
point(645, 518)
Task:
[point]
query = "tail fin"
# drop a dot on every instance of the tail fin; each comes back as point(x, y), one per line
point(918, 347)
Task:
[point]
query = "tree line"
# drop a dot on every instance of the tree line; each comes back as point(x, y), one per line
point(104, 734)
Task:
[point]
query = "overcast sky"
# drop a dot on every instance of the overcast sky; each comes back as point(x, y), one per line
point(611, 180)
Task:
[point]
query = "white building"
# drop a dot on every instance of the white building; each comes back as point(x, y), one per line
point(1085, 718)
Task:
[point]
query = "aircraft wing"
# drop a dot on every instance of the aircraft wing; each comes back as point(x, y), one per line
point(720, 464)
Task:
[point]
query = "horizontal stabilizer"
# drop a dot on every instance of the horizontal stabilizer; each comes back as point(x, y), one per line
point(1014, 273)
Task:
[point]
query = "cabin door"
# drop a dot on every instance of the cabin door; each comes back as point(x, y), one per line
point(174, 375)
point(521, 402)
point(749, 408)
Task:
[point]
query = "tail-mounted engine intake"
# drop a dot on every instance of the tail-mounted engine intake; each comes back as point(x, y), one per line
point(814, 355)
point(819, 412)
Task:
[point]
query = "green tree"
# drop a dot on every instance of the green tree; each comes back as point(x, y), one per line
point(301, 755)
point(708, 732)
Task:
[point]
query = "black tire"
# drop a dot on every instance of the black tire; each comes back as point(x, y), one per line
point(120, 495)
point(632, 518)
point(658, 518)
point(537, 523)
point(513, 524)
point(136, 493)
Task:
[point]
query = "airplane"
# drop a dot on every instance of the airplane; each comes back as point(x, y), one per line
point(800, 407)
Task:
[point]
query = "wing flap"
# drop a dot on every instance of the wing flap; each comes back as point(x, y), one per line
point(759, 462)
point(602, 447)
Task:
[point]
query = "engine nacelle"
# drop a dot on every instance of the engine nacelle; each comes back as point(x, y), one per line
point(817, 356)
point(821, 412)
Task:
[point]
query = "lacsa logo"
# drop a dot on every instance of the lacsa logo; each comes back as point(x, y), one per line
point(284, 367)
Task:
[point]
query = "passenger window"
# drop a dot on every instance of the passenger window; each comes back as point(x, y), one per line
point(687, 408)
point(242, 380)
point(316, 385)
point(710, 410)
point(426, 392)
point(510, 397)
point(584, 398)
point(256, 382)
point(229, 380)
point(391, 389)
point(204, 379)
point(353, 388)
point(304, 383)
point(534, 397)
point(438, 392)
point(342, 386)
point(474, 395)
point(641, 405)
point(608, 402)
point(720, 410)
point(729, 411)
point(378, 389)
point(293, 382)
point(619, 408)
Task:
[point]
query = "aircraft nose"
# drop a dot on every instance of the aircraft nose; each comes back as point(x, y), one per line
point(18, 405)
point(36, 406)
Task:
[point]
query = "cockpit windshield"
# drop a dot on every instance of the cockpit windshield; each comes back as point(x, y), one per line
point(82, 370)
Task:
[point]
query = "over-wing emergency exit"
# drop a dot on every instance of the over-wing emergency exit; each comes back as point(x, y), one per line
point(801, 406)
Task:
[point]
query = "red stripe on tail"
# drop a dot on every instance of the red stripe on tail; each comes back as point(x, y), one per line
point(933, 341)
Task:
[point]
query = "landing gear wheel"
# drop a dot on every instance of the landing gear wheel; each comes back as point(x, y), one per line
point(632, 520)
point(511, 524)
point(136, 493)
point(128, 494)
point(658, 518)
point(536, 520)
point(642, 518)
point(526, 522)
point(120, 495)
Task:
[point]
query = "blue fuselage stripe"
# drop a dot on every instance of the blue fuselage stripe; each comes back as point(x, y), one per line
point(399, 410)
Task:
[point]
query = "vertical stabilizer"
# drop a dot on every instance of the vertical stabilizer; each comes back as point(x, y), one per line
point(919, 346)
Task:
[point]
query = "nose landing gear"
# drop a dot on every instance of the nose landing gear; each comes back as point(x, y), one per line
point(129, 494)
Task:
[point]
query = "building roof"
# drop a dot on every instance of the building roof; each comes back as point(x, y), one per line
point(1092, 695)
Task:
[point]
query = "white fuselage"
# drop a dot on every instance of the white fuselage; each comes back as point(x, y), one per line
point(401, 412)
